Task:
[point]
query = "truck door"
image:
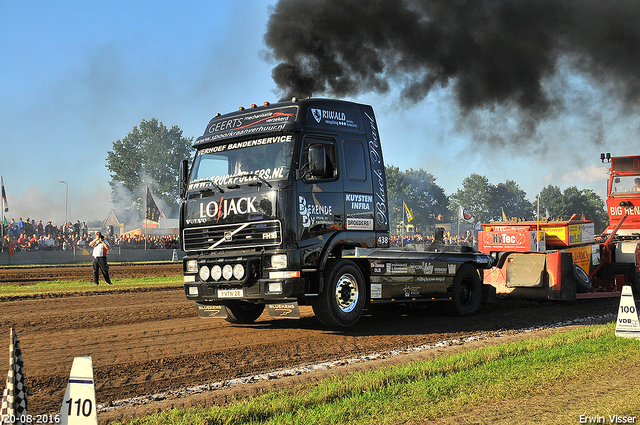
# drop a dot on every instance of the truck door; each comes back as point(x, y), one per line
point(358, 191)
point(320, 199)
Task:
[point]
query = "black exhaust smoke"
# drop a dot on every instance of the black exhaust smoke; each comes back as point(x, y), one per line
point(492, 53)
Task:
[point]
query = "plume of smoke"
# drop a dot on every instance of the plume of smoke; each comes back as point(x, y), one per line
point(492, 54)
point(130, 206)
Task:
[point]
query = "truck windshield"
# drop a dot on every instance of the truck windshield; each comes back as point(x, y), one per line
point(242, 162)
point(625, 185)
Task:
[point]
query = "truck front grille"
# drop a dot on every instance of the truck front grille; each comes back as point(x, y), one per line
point(233, 236)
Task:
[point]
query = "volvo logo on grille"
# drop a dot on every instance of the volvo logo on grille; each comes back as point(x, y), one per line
point(228, 236)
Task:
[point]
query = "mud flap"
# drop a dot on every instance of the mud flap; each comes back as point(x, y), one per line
point(567, 280)
point(208, 311)
point(284, 310)
point(488, 294)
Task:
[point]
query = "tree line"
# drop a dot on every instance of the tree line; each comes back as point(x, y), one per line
point(150, 155)
point(485, 201)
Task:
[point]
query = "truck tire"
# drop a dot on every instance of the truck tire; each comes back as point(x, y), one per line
point(341, 303)
point(583, 283)
point(242, 312)
point(466, 292)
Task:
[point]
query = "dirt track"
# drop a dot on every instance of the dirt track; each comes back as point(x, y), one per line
point(148, 342)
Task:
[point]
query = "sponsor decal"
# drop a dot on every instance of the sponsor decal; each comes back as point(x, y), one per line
point(311, 213)
point(575, 234)
point(429, 268)
point(251, 123)
point(595, 255)
point(411, 291)
point(452, 268)
point(397, 268)
point(377, 267)
point(246, 144)
point(359, 202)
point(380, 189)
point(359, 211)
point(227, 207)
point(508, 240)
point(376, 290)
point(359, 223)
point(620, 211)
point(430, 278)
point(241, 177)
point(333, 118)
point(582, 256)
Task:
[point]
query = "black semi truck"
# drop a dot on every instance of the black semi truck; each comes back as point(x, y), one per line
point(286, 204)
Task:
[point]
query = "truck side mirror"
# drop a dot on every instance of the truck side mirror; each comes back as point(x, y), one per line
point(317, 161)
point(184, 177)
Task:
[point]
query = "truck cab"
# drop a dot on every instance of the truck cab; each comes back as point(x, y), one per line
point(623, 195)
point(278, 205)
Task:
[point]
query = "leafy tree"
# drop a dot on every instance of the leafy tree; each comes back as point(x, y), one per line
point(418, 189)
point(148, 156)
point(477, 196)
point(512, 200)
point(574, 201)
point(485, 201)
point(425, 199)
point(551, 201)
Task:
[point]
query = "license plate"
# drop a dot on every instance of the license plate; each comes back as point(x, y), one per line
point(230, 293)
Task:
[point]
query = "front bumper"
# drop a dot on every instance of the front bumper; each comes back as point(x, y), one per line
point(260, 290)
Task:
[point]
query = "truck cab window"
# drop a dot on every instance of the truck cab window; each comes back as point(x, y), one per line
point(330, 169)
point(354, 160)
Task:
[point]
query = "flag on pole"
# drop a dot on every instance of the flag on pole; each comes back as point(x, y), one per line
point(14, 397)
point(4, 196)
point(409, 215)
point(504, 216)
point(464, 215)
point(153, 213)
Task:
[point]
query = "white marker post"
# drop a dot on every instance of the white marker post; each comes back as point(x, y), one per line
point(627, 325)
point(79, 403)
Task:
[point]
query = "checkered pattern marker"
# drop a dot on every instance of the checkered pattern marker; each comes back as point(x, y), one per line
point(14, 397)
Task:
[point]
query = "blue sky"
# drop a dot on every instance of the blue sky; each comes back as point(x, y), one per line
point(77, 76)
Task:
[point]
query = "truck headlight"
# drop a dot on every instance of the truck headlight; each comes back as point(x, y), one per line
point(204, 273)
point(227, 272)
point(279, 261)
point(192, 266)
point(216, 272)
point(238, 271)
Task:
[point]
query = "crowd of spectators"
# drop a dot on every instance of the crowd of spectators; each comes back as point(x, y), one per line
point(27, 235)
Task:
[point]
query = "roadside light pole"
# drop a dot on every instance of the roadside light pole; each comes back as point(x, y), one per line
point(66, 199)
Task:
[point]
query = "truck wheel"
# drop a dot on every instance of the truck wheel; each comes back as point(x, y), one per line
point(341, 303)
point(583, 283)
point(466, 292)
point(242, 312)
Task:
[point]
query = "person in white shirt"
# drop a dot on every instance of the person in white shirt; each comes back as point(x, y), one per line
point(100, 247)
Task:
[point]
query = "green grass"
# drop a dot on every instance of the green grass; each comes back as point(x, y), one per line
point(427, 390)
point(74, 286)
